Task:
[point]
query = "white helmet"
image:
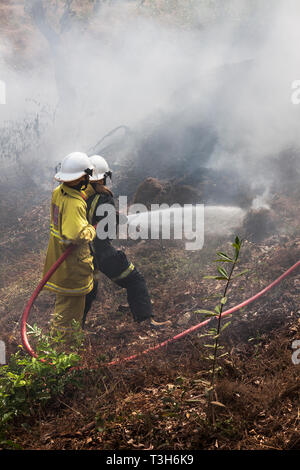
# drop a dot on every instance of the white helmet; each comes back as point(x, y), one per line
point(74, 166)
point(101, 168)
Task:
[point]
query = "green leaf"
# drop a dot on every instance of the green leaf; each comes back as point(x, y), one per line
point(223, 272)
point(212, 331)
point(225, 326)
point(218, 309)
point(203, 335)
point(237, 241)
point(207, 312)
point(222, 261)
point(218, 278)
point(237, 245)
point(224, 257)
point(222, 355)
point(241, 273)
point(223, 300)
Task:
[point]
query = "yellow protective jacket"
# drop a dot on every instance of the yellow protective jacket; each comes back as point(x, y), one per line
point(69, 225)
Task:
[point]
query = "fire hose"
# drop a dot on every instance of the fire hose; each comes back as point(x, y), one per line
point(62, 258)
point(32, 299)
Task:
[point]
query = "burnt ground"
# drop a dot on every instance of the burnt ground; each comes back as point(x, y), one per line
point(158, 401)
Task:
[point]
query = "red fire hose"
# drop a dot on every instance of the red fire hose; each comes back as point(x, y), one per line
point(34, 296)
point(158, 346)
point(205, 322)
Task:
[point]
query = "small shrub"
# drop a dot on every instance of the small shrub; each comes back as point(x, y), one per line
point(214, 333)
point(27, 382)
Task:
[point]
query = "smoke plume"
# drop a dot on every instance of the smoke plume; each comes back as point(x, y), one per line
point(191, 89)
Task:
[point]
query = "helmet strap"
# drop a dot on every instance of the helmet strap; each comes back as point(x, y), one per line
point(85, 182)
point(107, 174)
point(82, 185)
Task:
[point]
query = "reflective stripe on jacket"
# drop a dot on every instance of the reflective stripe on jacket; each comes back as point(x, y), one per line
point(69, 225)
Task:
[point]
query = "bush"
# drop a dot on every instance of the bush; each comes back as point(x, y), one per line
point(27, 382)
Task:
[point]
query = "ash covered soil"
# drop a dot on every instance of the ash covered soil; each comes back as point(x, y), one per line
point(158, 400)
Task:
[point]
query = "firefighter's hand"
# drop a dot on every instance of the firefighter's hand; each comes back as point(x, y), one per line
point(86, 235)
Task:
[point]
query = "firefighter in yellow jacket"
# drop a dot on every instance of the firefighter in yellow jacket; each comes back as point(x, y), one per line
point(73, 280)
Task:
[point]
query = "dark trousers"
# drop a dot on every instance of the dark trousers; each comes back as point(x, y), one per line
point(137, 295)
point(113, 263)
point(89, 299)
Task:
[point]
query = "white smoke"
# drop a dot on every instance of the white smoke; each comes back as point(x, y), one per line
point(231, 63)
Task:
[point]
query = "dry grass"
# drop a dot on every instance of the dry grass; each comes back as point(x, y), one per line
point(159, 401)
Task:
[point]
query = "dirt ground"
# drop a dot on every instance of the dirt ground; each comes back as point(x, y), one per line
point(158, 400)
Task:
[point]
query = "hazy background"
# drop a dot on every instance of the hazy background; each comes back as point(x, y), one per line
point(193, 85)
